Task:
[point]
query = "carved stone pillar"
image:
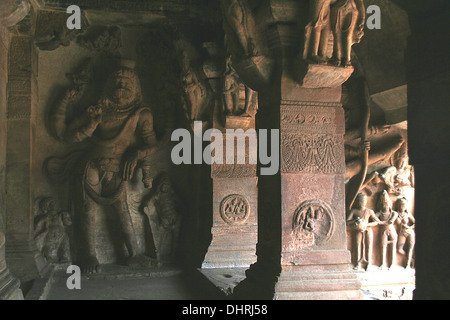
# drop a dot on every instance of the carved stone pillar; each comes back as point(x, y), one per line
point(10, 14)
point(9, 285)
point(235, 226)
point(22, 256)
point(314, 256)
point(302, 243)
point(234, 230)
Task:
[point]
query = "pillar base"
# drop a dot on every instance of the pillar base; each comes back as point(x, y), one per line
point(9, 287)
point(25, 261)
point(234, 236)
point(318, 282)
point(232, 248)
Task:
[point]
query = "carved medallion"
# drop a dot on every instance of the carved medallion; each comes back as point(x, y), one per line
point(234, 209)
point(313, 223)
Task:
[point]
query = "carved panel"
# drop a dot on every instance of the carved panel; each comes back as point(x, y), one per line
point(313, 153)
point(234, 209)
point(313, 223)
point(233, 170)
point(312, 117)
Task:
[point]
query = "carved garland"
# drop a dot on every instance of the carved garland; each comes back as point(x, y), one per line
point(312, 153)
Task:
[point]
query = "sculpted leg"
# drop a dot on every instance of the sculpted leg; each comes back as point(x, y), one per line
point(383, 251)
point(323, 46)
point(126, 226)
point(358, 247)
point(129, 236)
point(337, 49)
point(410, 243)
point(394, 250)
point(87, 258)
point(85, 211)
point(368, 246)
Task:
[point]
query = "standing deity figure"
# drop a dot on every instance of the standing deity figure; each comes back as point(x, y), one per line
point(118, 135)
point(196, 97)
point(317, 31)
point(387, 217)
point(50, 232)
point(164, 218)
point(195, 94)
point(347, 22)
point(406, 235)
point(238, 17)
point(361, 219)
point(230, 89)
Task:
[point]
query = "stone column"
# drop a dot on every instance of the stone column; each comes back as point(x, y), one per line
point(234, 230)
point(11, 12)
point(429, 141)
point(302, 246)
point(314, 256)
point(22, 256)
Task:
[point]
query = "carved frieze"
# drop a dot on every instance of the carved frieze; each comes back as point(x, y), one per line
point(233, 170)
point(312, 117)
point(312, 153)
point(311, 137)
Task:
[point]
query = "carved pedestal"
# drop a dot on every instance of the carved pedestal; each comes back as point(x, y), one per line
point(9, 285)
point(234, 230)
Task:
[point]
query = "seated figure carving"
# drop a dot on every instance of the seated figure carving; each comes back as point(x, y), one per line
point(50, 232)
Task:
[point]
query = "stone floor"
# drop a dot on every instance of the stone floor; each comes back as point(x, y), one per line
point(165, 288)
point(120, 283)
point(117, 283)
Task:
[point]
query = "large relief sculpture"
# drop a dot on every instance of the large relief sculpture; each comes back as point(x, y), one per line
point(376, 167)
point(114, 135)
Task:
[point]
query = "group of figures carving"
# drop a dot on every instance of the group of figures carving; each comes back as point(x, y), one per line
point(378, 173)
point(396, 229)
